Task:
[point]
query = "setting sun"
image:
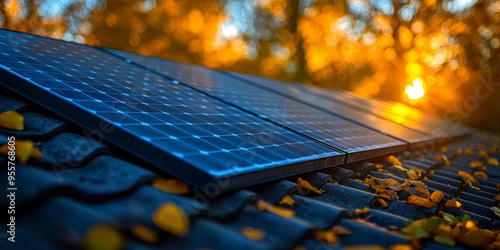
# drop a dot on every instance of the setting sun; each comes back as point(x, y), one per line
point(415, 91)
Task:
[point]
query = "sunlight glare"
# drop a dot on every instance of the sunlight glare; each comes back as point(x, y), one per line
point(415, 91)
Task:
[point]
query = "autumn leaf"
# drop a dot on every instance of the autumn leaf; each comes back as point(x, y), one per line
point(469, 151)
point(363, 211)
point(144, 234)
point(382, 203)
point(443, 159)
point(475, 164)
point(419, 201)
point(493, 161)
point(394, 161)
point(416, 188)
point(414, 174)
point(103, 237)
point(253, 233)
point(283, 212)
point(287, 200)
point(171, 218)
point(453, 203)
point(468, 179)
point(12, 120)
point(422, 228)
point(306, 185)
point(458, 152)
point(496, 210)
point(443, 149)
point(24, 149)
point(326, 236)
point(482, 154)
point(450, 219)
point(174, 186)
point(480, 174)
point(437, 196)
point(401, 247)
point(386, 188)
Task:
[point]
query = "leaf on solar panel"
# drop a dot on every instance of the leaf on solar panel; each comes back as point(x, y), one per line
point(145, 234)
point(24, 149)
point(288, 200)
point(174, 186)
point(171, 218)
point(416, 188)
point(308, 186)
point(468, 179)
point(253, 233)
point(283, 212)
point(12, 120)
point(103, 237)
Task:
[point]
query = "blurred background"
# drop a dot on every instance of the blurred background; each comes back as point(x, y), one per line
point(438, 56)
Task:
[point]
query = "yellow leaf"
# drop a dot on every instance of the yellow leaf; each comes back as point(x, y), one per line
point(363, 211)
point(458, 152)
point(468, 179)
point(419, 201)
point(386, 188)
point(283, 212)
point(394, 161)
point(453, 203)
point(326, 236)
point(443, 149)
point(171, 186)
point(103, 237)
point(382, 203)
point(287, 200)
point(401, 247)
point(11, 120)
point(469, 151)
point(379, 166)
point(437, 196)
point(476, 164)
point(480, 174)
point(493, 161)
point(364, 247)
point(417, 188)
point(443, 159)
point(414, 174)
point(253, 233)
point(306, 185)
point(171, 218)
point(24, 149)
point(482, 154)
point(145, 234)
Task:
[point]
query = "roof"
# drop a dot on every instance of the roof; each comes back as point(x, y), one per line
point(80, 183)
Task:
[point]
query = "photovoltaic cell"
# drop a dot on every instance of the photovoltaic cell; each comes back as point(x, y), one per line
point(415, 138)
point(358, 141)
point(181, 131)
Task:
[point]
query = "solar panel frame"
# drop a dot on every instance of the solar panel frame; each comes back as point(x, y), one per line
point(14, 79)
point(253, 100)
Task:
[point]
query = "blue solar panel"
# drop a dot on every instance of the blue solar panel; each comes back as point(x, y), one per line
point(358, 141)
point(177, 129)
point(297, 92)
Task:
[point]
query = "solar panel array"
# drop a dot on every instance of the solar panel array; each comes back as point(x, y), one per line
point(199, 124)
point(359, 141)
point(153, 115)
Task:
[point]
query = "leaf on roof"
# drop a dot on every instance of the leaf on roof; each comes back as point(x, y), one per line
point(307, 185)
point(480, 174)
point(450, 219)
point(453, 203)
point(443, 159)
point(419, 201)
point(171, 218)
point(12, 120)
point(476, 164)
point(382, 203)
point(497, 197)
point(253, 233)
point(493, 161)
point(174, 186)
point(443, 235)
point(414, 174)
point(288, 200)
point(470, 235)
point(437, 196)
point(394, 161)
point(386, 188)
point(24, 149)
point(468, 179)
point(362, 212)
point(459, 152)
point(443, 149)
point(496, 210)
point(482, 154)
point(422, 228)
point(326, 236)
point(145, 234)
point(469, 151)
point(103, 237)
point(416, 188)
point(283, 212)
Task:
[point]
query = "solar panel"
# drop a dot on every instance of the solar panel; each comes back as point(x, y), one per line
point(415, 138)
point(177, 129)
point(393, 111)
point(358, 141)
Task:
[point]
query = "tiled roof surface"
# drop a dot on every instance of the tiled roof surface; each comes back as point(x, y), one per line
point(80, 183)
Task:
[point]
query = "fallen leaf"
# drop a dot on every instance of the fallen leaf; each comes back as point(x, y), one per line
point(253, 233)
point(493, 161)
point(24, 149)
point(414, 174)
point(287, 200)
point(401, 247)
point(394, 161)
point(171, 218)
point(306, 185)
point(144, 234)
point(437, 196)
point(386, 188)
point(480, 174)
point(12, 120)
point(443, 159)
point(103, 237)
point(283, 212)
point(453, 203)
point(419, 201)
point(450, 219)
point(363, 211)
point(475, 164)
point(382, 203)
point(326, 236)
point(174, 186)
point(468, 179)
point(422, 228)
point(469, 151)
point(458, 152)
point(416, 188)
point(482, 154)
point(443, 149)
point(496, 210)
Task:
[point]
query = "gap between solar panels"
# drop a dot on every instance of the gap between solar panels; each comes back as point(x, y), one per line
point(199, 139)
